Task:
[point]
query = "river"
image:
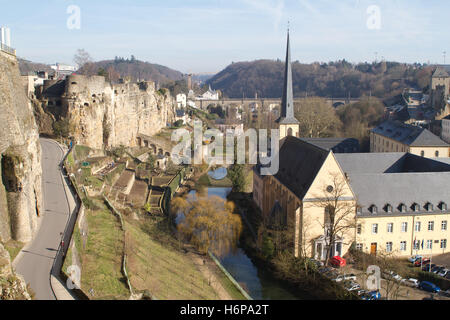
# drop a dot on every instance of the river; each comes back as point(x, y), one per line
point(258, 282)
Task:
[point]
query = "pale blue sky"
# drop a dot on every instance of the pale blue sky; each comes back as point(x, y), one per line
point(207, 35)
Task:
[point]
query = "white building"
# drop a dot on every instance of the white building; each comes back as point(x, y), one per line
point(181, 101)
point(63, 70)
point(209, 95)
point(5, 36)
point(446, 129)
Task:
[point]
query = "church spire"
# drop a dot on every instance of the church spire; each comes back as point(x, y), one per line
point(287, 104)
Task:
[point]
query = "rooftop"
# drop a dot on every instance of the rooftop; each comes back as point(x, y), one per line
point(413, 136)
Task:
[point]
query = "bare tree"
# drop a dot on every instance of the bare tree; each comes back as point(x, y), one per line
point(339, 210)
point(317, 118)
point(84, 62)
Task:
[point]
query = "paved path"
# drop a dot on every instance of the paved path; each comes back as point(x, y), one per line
point(39, 258)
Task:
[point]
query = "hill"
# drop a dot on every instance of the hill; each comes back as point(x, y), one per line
point(334, 79)
point(27, 66)
point(136, 69)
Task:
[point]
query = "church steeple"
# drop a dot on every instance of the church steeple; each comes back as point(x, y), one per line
point(289, 125)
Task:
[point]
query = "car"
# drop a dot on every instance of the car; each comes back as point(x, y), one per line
point(392, 275)
point(361, 292)
point(318, 264)
point(443, 272)
point(411, 282)
point(445, 293)
point(338, 262)
point(429, 287)
point(428, 267)
point(324, 270)
point(437, 269)
point(447, 276)
point(373, 295)
point(420, 262)
point(344, 277)
point(414, 258)
point(351, 286)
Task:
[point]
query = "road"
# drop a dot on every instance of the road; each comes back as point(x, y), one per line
point(35, 261)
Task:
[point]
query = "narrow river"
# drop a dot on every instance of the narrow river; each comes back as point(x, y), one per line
point(258, 282)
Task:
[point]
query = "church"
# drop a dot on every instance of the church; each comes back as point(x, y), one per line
point(327, 203)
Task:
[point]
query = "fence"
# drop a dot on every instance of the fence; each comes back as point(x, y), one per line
point(5, 48)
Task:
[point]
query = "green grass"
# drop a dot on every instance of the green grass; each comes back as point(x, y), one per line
point(156, 265)
point(14, 247)
point(229, 286)
point(82, 152)
point(102, 259)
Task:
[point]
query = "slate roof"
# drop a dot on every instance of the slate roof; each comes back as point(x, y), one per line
point(410, 135)
point(337, 145)
point(441, 72)
point(300, 163)
point(396, 178)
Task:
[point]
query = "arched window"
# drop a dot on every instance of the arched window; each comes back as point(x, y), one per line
point(402, 207)
point(429, 206)
point(415, 207)
point(373, 209)
point(422, 153)
point(443, 206)
point(436, 154)
point(290, 132)
point(388, 208)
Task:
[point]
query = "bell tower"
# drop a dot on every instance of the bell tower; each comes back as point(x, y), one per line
point(287, 123)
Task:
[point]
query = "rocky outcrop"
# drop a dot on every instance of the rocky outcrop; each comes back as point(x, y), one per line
point(20, 153)
point(103, 115)
point(12, 285)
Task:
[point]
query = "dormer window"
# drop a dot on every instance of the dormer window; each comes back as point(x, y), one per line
point(358, 210)
point(373, 209)
point(415, 207)
point(402, 208)
point(443, 206)
point(429, 207)
point(388, 208)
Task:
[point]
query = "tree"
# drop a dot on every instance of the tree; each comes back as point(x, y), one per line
point(209, 224)
point(81, 58)
point(317, 118)
point(236, 173)
point(339, 211)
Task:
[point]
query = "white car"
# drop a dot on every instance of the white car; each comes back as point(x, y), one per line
point(393, 275)
point(411, 282)
point(352, 286)
point(344, 277)
point(414, 258)
point(443, 272)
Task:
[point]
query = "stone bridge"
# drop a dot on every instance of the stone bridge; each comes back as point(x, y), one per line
point(335, 102)
point(158, 146)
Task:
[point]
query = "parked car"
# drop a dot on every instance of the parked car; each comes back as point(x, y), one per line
point(429, 287)
point(411, 282)
point(414, 258)
point(352, 286)
point(373, 295)
point(437, 269)
point(338, 262)
point(447, 276)
point(344, 277)
point(319, 264)
point(420, 262)
point(443, 272)
point(392, 275)
point(428, 267)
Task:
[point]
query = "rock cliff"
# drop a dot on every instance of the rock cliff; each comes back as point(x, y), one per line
point(20, 153)
point(103, 115)
point(12, 285)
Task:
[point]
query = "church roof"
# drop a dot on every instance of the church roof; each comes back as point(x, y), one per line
point(300, 163)
point(287, 104)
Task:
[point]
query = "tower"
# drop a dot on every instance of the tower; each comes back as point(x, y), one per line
point(287, 123)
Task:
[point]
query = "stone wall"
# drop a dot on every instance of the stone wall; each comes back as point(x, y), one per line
point(20, 153)
point(103, 115)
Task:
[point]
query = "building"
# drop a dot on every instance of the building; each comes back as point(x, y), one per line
point(63, 70)
point(402, 202)
point(394, 136)
point(380, 202)
point(181, 101)
point(445, 134)
point(5, 36)
point(181, 115)
point(233, 125)
point(337, 145)
point(209, 95)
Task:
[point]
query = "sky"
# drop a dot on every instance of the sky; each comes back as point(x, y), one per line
point(205, 36)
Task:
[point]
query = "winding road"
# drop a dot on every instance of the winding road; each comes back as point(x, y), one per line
point(39, 258)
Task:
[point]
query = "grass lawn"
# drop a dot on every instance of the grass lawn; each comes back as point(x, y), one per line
point(101, 260)
point(14, 247)
point(154, 264)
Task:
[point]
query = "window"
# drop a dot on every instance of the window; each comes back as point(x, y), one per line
point(403, 246)
point(390, 227)
point(422, 153)
point(431, 226)
point(436, 154)
point(429, 244)
point(373, 209)
point(443, 206)
point(358, 229)
point(388, 246)
point(388, 208)
point(404, 226)
point(415, 207)
point(417, 227)
point(359, 246)
point(444, 244)
point(444, 225)
point(375, 228)
point(416, 244)
point(429, 207)
point(402, 208)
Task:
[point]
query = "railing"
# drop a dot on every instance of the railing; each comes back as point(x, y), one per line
point(5, 48)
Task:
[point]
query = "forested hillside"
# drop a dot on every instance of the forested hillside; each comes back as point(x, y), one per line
point(334, 79)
